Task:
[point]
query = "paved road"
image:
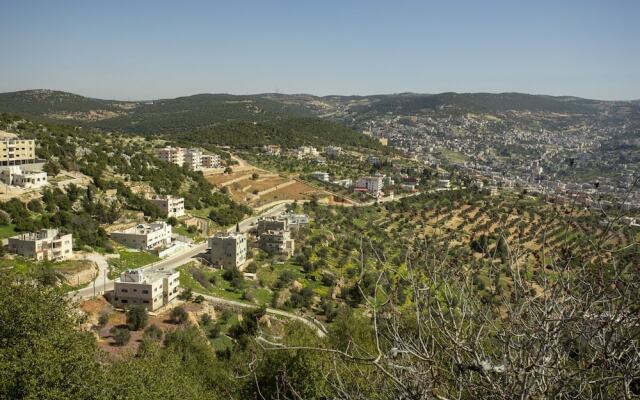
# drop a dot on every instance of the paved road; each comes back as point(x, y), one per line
point(311, 323)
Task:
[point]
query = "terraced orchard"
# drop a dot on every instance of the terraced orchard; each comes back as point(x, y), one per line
point(256, 187)
point(485, 238)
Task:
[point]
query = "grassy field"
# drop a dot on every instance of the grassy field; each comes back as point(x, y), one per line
point(129, 260)
point(7, 231)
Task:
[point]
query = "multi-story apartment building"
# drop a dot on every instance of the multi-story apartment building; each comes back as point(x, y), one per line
point(173, 155)
point(46, 244)
point(278, 241)
point(272, 224)
point(145, 236)
point(14, 151)
point(193, 159)
point(150, 289)
point(15, 176)
point(371, 184)
point(228, 250)
point(210, 161)
point(172, 206)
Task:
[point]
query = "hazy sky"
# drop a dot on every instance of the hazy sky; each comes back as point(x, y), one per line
point(150, 49)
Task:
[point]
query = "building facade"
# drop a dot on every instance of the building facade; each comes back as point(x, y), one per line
point(14, 151)
point(371, 184)
point(171, 206)
point(272, 224)
point(150, 289)
point(278, 241)
point(46, 244)
point(173, 155)
point(15, 176)
point(210, 161)
point(228, 250)
point(145, 236)
point(193, 159)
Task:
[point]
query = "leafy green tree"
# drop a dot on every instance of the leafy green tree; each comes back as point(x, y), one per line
point(137, 317)
point(43, 355)
point(179, 315)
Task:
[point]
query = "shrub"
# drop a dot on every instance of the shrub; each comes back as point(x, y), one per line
point(252, 267)
point(121, 336)
point(178, 315)
point(153, 332)
point(103, 319)
point(186, 294)
point(199, 299)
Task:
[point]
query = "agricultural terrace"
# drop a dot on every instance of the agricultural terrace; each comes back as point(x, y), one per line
point(340, 254)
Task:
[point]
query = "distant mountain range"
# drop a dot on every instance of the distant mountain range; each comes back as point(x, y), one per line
point(203, 111)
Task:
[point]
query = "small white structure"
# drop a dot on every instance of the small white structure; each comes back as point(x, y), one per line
point(228, 249)
point(271, 150)
point(145, 236)
point(321, 176)
point(296, 220)
point(15, 176)
point(346, 183)
point(150, 289)
point(305, 151)
point(172, 206)
point(444, 183)
point(46, 244)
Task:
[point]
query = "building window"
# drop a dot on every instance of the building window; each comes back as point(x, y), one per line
point(124, 290)
point(145, 291)
point(124, 301)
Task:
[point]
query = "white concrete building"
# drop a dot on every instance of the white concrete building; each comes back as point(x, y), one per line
point(46, 244)
point(173, 155)
point(150, 289)
point(172, 206)
point(145, 236)
point(228, 249)
point(210, 161)
point(370, 184)
point(15, 176)
point(193, 159)
point(305, 151)
point(321, 176)
point(444, 183)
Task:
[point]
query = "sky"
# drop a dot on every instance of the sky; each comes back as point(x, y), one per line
point(135, 49)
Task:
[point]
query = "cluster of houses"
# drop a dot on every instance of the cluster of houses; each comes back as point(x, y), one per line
point(193, 158)
point(303, 152)
point(372, 185)
point(18, 164)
